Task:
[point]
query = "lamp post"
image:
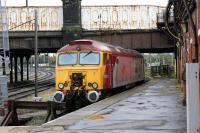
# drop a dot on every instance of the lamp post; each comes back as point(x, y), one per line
point(36, 53)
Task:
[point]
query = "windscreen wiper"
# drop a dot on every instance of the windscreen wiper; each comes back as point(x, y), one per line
point(87, 54)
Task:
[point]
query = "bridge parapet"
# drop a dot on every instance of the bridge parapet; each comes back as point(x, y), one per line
point(93, 17)
point(120, 17)
point(49, 18)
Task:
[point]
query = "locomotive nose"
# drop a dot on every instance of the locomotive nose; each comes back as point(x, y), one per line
point(93, 96)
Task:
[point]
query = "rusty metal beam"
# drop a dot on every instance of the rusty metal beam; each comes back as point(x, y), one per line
point(51, 108)
point(141, 40)
point(30, 34)
point(37, 105)
point(50, 41)
point(6, 118)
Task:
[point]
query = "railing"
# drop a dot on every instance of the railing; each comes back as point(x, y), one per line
point(161, 17)
point(93, 17)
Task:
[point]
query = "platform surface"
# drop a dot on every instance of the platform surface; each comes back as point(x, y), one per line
point(154, 107)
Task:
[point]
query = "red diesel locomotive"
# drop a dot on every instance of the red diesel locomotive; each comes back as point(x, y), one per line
point(89, 68)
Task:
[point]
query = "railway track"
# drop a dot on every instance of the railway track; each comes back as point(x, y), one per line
point(46, 81)
point(32, 73)
point(42, 79)
point(40, 83)
point(41, 74)
point(15, 95)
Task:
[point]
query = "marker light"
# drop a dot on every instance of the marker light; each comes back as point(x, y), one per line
point(95, 85)
point(60, 85)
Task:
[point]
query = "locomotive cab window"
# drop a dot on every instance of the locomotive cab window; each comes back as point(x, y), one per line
point(89, 58)
point(67, 59)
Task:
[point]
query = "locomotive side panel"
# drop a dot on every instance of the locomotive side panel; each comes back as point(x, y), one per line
point(127, 70)
point(139, 72)
point(142, 69)
point(142, 75)
point(123, 71)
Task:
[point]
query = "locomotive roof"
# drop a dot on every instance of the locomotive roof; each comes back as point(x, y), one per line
point(92, 45)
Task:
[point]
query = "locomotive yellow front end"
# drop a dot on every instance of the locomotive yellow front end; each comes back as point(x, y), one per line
point(78, 73)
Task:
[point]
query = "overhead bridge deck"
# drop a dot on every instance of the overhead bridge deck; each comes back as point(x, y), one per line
point(145, 41)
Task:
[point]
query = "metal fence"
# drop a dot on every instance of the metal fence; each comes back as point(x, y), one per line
point(162, 70)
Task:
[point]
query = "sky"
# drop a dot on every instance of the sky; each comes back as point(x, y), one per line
point(87, 2)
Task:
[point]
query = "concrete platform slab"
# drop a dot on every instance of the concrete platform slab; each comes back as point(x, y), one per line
point(154, 107)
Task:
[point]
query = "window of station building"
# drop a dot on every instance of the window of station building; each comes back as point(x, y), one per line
point(67, 59)
point(89, 58)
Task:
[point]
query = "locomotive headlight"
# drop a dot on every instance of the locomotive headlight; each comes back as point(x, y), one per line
point(60, 85)
point(95, 85)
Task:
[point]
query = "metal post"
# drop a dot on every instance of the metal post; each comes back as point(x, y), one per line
point(163, 59)
point(11, 70)
point(44, 58)
point(36, 53)
point(99, 21)
point(21, 67)
point(27, 67)
point(4, 64)
point(48, 59)
point(26, 3)
point(150, 59)
point(16, 78)
point(157, 58)
point(31, 63)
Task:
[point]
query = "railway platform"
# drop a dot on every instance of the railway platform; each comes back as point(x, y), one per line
point(154, 107)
